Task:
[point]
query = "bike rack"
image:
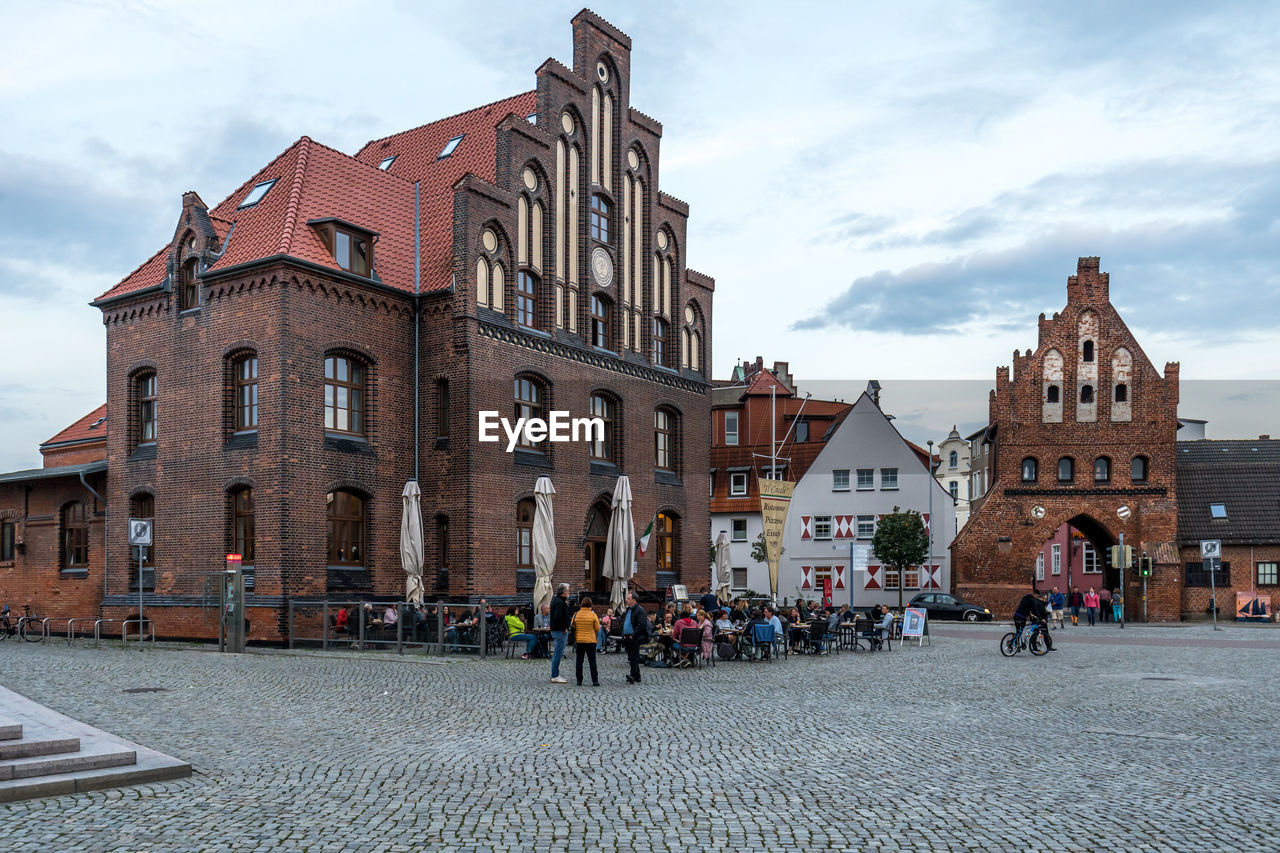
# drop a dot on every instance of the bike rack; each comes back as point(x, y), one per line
point(97, 631)
point(32, 620)
point(124, 632)
point(71, 628)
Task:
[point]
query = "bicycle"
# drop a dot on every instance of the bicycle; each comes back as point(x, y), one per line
point(27, 626)
point(7, 628)
point(1028, 637)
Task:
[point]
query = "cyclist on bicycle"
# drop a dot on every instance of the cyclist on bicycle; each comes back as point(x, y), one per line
point(1032, 607)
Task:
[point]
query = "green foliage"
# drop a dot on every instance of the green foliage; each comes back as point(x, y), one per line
point(900, 541)
point(758, 551)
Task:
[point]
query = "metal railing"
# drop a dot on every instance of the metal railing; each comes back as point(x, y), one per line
point(124, 632)
point(97, 630)
point(430, 628)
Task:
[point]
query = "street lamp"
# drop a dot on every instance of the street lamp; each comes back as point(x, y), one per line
point(929, 529)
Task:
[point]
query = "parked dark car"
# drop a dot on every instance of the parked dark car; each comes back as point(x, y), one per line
point(941, 605)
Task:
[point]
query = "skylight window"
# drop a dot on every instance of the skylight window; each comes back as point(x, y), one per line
point(450, 147)
point(386, 164)
point(532, 117)
point(1218, 510)
point(255, 195)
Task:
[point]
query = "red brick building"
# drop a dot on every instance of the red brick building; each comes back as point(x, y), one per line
point(1083, 431)
point(296, 353)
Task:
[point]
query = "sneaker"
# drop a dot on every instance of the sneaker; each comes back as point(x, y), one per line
point(559, 679)
point(595, 684)
point(630, 680)
point(526, 657)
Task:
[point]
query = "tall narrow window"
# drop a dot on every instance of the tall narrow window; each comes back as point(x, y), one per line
point(6, 541)
point(954, 488)
point(953, 459)
point(442, 408)
point(1088, 351)
point(526, 300)
point(1138, 470)
point(344, 395)
point(665, 439)
point(599, 219)
point(1102, 470)
point(247, 393)
point(189, 289)
point(1029, 471)
point(242, 524)
point(1051, 394)
point(1066, 469)
point(346, 513)
point(75, 536)
point(731, 428)
point(442, 542)
point(666, 537)
point(529, 405)
point(1086, 394)
point(661, 329)
point(524, 533)
point(599, 322)
point(602, 447)
point(1122, 393)
point(145, 386)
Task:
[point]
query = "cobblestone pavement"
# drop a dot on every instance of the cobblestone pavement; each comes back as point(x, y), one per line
point(1098, 746)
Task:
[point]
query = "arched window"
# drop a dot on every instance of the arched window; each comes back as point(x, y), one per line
point(1087, 351)
point(1086, 393)
point(524, 533)
point(666, 439)
point(245, 372)
point(600, 322)
point(346, 514)
point(953, 459)
point(242, 524)
point(661, 331)
point(1051, 394)
point(1102, 470)
point(344, 395)
point(442, 408)
point(530, 402)
point(666, 528)
point(188, 288)
point(1066, 469)
point(691, 341)
point(144, 395)
point(1030, 468)
point(527, 299)
point(1122, 392)
point(75, 536)
point(1138, 471)
point(600, 218)
point(603, 447)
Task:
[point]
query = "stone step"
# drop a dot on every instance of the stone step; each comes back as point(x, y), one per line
point(94, 758)
point(92, 780)
point(9, 730)
point(32, 745)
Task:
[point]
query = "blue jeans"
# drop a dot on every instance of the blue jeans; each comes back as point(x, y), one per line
point(1117, 611)
point(560, 637)
point(601, 639)
point(530, 640)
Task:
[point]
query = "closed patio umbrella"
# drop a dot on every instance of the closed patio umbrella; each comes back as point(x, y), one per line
point(620, 547)
point(544, 542)
point(724, 572)
point(411, 540)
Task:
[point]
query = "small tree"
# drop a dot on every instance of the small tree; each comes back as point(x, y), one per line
point(900, 541)
point(760, 553)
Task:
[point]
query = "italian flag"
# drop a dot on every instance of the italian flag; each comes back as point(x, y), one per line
point(644, 537)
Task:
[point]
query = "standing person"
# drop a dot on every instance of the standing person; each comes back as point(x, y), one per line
point(1056, 602)
point(708, 634)
point(1117, 606)
point(606, 622)
point(1075, 601)
point(1091, 606)
point(560, 620)
point(708, 602)
point(586, 627)
point(1104, 604)
point(635, 630)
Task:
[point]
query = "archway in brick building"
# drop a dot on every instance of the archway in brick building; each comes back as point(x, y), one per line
point(593, 579)
point(1078, 554)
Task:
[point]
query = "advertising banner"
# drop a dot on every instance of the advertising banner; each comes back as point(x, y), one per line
point(1251, 607)
point(775, 501)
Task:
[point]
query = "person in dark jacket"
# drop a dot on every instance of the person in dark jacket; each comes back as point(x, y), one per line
point(560, 619)
point(709, 602)
point(1075, 600)
point(1032, 607)
point(635, 631)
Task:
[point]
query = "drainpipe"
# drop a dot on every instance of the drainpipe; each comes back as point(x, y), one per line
point(417, 326)
point(85, 483)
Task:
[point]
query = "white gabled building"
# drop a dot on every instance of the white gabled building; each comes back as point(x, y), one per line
point(864, 470)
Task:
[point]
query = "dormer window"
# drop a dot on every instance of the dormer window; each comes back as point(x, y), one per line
point(386, 162)
point(450, 147)
point(351, 247)
point(188, 289)
point(256, 194)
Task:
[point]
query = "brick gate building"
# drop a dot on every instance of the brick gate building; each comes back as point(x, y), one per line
point(295, 354)
point(1083, 430)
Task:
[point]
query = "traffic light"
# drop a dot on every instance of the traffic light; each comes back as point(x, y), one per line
point(1145, 565)
point(1122, 556)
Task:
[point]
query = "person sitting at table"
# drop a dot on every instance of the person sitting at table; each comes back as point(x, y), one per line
point(884, 627)
point(748, 630)
point(516, 633)
point(685, 652)
point(740, 615)
point(772, 618)
point(390, 616)
point(847, 614)
point(723, 625)
point(340, 621)
point(543, 619)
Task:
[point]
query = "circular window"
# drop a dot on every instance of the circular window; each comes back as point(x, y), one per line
point(602, 71)
point(490, 240)
point(566, 121)
point(688, 314)
point(633, 159)
point(662, 239)
point(530, 179)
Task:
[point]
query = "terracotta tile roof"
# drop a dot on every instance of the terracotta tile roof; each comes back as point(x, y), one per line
point(85, 428)
point(763, 382)
point(417, 153)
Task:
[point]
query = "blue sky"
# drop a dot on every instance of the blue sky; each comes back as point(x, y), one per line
point(893, 190)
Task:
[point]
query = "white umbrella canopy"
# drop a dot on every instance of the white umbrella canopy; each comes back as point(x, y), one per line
point(544, 542)
point(620, 547)
point(411, 540)
point(724, 572)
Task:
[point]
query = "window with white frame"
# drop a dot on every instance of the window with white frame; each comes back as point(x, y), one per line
point(888, 478)
point(866, 478)
point(954, 488)
point(840, 480)
point(822, 527)
point(1268, 574)
point(866, 526)
point(1040, 566)
point(739, 530)
point(1091, 564)
point(731, 428)
point(1055, 559)
point(737, 484)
